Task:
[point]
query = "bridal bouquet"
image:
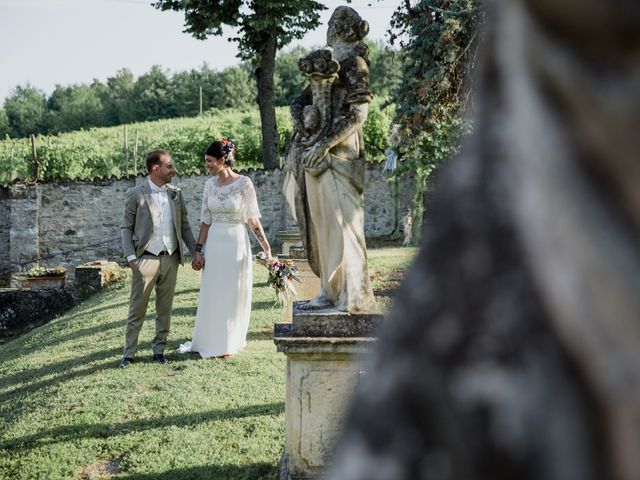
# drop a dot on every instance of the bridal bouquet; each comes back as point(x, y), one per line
point(282, 274)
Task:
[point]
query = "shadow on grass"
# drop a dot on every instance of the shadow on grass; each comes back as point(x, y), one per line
point(179, 293)
point(255, 306)
point(254, 471)
point(189, 312)
point(96, 310)
point(264, 305)
point(107, 430)
point(260, 335)
point(119, 324)
point(61, 371)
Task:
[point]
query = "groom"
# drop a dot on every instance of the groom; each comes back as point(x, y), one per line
point(154, 227)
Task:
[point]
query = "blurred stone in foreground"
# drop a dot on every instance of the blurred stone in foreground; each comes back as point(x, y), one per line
point(513, 348)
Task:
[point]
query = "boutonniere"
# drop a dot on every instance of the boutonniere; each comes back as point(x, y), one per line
point(173, 192)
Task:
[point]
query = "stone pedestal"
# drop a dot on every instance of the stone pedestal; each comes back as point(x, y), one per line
point(92, 277)
point(289, 238)
point(324, 352)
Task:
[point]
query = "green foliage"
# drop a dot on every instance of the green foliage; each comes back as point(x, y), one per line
point(234, 89)
point(385, 72)
point(39, 271)
point(263, 27)
point(71, 108)
point(385, 69)
point(377, 129)
point(152, 95)
point(439, 45)
point(255, 20)
point(5, 128)
point(25, 109)
point(284, 21)
point(157, 94)
point(289, 80)
point(99, 152)
point(118, 99)
point(123, 99)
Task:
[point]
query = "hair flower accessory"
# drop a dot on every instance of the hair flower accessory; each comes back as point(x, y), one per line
point(281, 277)
point(228, 149)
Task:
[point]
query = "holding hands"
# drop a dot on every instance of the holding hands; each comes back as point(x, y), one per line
point(198, 258)
point(198, 261)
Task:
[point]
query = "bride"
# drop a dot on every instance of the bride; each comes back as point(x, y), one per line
point(223, 252)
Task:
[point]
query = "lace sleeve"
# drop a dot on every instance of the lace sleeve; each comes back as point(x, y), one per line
point(250, 201)
point(205, 214)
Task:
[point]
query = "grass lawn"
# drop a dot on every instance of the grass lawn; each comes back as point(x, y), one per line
point(68, 412)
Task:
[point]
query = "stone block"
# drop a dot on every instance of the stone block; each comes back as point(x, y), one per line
point(92, 277)
point(21, 309)
point(289, 238)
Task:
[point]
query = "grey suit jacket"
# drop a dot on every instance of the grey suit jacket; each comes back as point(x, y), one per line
point(137, 222)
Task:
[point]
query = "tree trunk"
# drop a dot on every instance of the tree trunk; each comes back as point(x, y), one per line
point(267, 104)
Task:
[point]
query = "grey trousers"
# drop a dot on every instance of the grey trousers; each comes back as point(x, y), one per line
point(149, 273)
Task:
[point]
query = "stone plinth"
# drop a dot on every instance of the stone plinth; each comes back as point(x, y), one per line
point(289, 238)
point(92, 277)
point(324, 352)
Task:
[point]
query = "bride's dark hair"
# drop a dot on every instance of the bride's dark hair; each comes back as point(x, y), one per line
point(222, 149)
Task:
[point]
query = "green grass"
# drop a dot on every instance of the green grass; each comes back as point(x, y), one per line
point(67, 412)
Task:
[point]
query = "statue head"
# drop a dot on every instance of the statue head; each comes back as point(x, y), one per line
point(347, 26)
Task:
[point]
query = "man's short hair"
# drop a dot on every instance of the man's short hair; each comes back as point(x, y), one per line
point(153, 158)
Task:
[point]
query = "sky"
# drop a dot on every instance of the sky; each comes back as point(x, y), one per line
point(49, 42)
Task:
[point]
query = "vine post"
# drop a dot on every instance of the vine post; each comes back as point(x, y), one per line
point(126, 151)
point(135, 154)
point(34, 155)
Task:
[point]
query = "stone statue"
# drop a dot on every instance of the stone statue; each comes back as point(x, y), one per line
point(326, 164)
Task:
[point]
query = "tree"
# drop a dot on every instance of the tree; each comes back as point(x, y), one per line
point(73, 108)
point(289, 80)
point(25, 109)
point(118, 104)
point(264, 28)
point(185, 93)
point(439, 41)
point(236, 89)
point(5, 129)
point(152, 96)
point(385, 69)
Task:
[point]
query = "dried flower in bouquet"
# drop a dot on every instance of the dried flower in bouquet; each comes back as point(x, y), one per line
point(282, 274)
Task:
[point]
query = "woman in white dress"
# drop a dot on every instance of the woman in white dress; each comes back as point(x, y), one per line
point(224, 252)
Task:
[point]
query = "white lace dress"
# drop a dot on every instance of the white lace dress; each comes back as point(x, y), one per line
point(224, 306)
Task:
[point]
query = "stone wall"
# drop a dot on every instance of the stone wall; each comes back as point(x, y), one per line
point(70, 223)
point(5, 230)
point(25, 309)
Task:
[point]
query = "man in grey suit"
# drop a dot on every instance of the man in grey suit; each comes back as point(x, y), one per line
point(154, 227)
